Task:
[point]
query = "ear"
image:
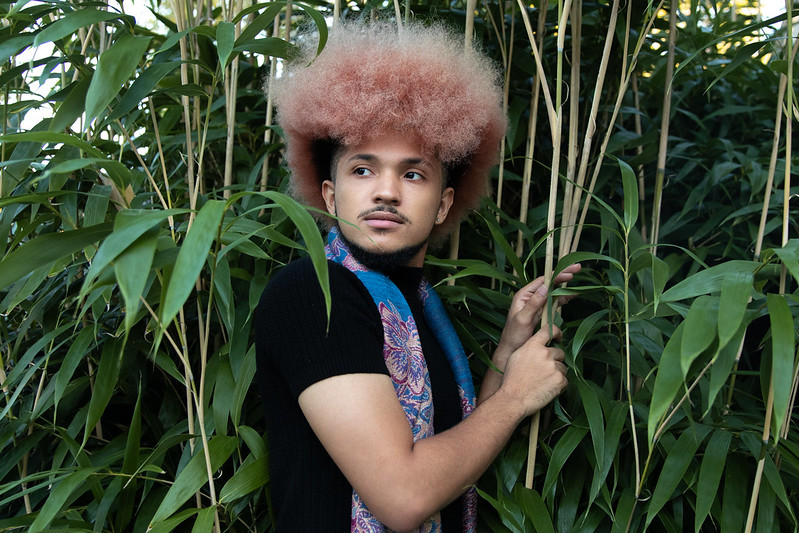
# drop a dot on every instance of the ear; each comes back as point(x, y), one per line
point(447, 197)
point(329, 195)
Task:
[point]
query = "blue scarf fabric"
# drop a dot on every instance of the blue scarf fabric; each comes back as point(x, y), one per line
point(402, 353)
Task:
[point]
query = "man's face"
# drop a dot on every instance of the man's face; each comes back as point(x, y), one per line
point(391, 191)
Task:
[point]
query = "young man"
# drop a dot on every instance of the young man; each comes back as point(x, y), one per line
point(393, 134)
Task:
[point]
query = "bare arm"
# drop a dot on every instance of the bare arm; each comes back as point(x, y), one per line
point(361, 424)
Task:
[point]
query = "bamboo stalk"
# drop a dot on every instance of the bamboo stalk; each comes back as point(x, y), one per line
point(664, 128)
point(568, 239)
point(231, 83)
point(626, 73)
point(532, 128)
point(574, 117)
point(551, 212)
point(639, 150)
point(270, 106)
point(184, 79)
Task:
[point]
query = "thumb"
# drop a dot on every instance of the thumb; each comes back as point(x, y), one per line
point(545, 335)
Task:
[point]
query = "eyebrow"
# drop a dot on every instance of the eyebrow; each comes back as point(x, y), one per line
point(407, 161)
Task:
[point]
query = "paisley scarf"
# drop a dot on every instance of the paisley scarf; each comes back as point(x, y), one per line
point(402, 352)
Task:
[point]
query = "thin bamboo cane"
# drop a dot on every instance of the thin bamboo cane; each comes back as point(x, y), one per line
point(626, 73)
point(551, 212)
point(639, 151)
point(568, 240)
point(507, 56)
point(471, 7)
point(270, 106)
point(184, 79)
point(664, 128)
point(532, 128)
point(231, 90)
point(336, 11)
point(574, 126)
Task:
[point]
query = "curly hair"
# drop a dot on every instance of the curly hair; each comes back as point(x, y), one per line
point(374, 78)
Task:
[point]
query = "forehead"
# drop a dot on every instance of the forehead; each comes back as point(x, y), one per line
point(390, 148)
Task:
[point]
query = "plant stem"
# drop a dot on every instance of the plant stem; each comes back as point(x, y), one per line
point(664, 128)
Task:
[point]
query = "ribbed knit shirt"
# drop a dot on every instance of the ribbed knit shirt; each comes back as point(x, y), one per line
point(295, 349)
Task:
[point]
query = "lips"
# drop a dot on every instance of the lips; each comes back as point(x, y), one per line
point(384, 220)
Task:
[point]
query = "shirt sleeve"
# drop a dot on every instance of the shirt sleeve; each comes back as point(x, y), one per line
point(293, 335)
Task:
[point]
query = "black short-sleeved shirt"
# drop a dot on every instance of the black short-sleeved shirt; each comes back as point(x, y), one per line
point(295, 348)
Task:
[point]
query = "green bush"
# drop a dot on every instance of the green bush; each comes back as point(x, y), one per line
point(142, 213)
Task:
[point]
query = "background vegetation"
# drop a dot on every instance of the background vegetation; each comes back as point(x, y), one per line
point(141, 216)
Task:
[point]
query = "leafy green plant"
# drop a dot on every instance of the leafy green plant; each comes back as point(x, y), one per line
point(142, 212)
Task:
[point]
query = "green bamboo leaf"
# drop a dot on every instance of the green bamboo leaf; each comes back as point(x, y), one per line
point(562, 451)
point(96, 205)
point(259, 23)
point(534, 509)
point(132, 268)
point(736, 290)
point(14, 45)
point(254, 441)
point(47, 249)
point(223, 292)
point(579, 257)
point(502, 243)
point(596, 420)
point(52, 137)
point(225, 36)
point(668, 381)
point(133, 443)
point(674, 468)
point(480, 269)
point(223, 383)
point(72, 107)
point(269, 46)
point(630, 184)
point(114, 68)
point(58, 496)
point(204, 521)
point(143, 86)
point(783, 333)
point(789, 255)
point(77, 350)
point(660, 276)
point(586, 330)
point(250, 477)
point(130, 224)
point(244, 377)
point(310, 234)
point(722, 367)
point(624, 511)
point(710, 474)
point(699, 325)
point(191, 258)
point(168, 525)
point(72, 22)
point(105, 381)
point(194, 476)
point(615, 426)
point(707, 281)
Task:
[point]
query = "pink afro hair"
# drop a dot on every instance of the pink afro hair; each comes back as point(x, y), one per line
point(375, 78)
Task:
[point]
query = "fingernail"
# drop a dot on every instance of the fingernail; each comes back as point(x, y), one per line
point(542, 290)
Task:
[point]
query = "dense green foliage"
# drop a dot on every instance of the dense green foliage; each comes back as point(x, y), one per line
point(131, 265)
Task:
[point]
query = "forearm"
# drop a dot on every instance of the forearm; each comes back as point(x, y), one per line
point(492, 379)
point(440, 468)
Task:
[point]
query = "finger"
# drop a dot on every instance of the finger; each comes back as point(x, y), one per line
point(558, 354)
point(531, 302)
point(542, 337)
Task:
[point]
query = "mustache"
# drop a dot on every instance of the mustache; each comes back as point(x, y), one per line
point(384, 209)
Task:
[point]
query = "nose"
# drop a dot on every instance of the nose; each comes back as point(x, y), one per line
point(387, 189)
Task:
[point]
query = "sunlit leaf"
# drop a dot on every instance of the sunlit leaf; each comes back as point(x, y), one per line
point(115, 67)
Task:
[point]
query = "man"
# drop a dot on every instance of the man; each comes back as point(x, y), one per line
point(393, 134)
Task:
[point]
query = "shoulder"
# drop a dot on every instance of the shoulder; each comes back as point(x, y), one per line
point(297, 284)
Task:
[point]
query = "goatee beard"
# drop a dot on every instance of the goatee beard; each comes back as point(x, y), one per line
point(385, 262)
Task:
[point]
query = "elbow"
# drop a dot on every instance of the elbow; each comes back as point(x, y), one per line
point(405, 513)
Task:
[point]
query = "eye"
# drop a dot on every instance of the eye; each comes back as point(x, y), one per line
point(361, 171)
point(413, 176)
